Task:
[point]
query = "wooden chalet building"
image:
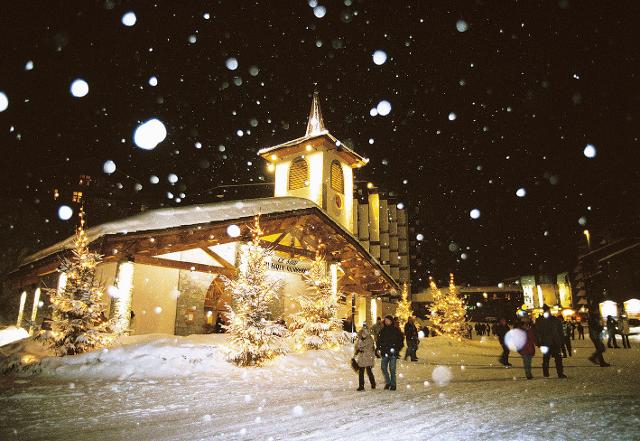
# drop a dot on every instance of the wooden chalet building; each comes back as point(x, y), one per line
point(164, 265)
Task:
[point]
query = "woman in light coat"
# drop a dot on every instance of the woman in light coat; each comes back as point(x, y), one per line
point(365, 354)
point(624, 331)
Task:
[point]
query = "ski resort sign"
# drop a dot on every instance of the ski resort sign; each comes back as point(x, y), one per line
point(288, 265)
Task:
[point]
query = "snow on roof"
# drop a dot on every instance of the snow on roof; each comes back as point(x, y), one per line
point(264, 152)
point(182, 216)
point(164, 218)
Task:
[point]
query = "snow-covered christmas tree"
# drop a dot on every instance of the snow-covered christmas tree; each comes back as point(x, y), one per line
point(448, 310)
point(79, 315)
point(404, 311)
point(255, 338)
point(317, 323)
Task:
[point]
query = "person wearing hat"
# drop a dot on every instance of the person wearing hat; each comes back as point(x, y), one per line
point(550, 337)
point(390, 343)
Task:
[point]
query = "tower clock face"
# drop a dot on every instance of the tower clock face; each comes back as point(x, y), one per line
point(338, 201)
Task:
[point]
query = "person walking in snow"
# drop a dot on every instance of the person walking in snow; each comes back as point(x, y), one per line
point(529, 349)
point(566, 337)
point(390, 343)
point(611, 330)
point(501, 330)
point(411, 336)
point(549, 336)
point(595, 334)
point(580, 331)
point(364, 354)
point(623, 325)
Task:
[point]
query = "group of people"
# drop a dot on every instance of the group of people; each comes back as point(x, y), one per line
point(550, 333)
point(384, 340)
point(482, 329)
point(620, 326)
point(553, 335)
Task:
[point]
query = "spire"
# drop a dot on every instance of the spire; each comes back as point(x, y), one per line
point(315, 125)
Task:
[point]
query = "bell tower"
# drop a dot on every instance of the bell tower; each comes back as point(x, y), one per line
point(318, 167)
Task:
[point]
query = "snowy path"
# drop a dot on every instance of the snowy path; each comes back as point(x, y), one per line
point(288, 401)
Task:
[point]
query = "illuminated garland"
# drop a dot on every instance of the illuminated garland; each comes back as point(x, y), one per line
point(254, 337)
point(317, 324)
point(404, 311)
point(79, 316)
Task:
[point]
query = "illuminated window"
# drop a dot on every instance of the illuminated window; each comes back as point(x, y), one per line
point(337, 178)
point(85, 180)
point(77, 196)
point(298, 174)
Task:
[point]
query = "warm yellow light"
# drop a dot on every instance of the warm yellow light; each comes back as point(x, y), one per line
point(568, 312)
point(315, 177)
point(587, 234)
point(540, 296)
point(333, 270)
point(34, 308)
point(123, 301)
point(282, 169)
point(271, 168)
point(309, 147)
point(632, 307)
point(608, 308)
point(28, 359)
point(369, 185)
point(274, 157)
point(23, 300)
point(62, 282)
point(347, 172)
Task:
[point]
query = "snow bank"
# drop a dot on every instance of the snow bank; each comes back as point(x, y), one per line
point(162, 356)
point(12, 334)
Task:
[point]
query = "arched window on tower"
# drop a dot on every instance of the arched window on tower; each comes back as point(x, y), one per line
point(298, 174)
point(337, 178)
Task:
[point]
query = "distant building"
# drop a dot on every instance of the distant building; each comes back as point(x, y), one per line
point(609, 272)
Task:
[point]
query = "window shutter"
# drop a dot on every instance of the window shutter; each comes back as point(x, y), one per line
point(298, 174)
point(337, 178)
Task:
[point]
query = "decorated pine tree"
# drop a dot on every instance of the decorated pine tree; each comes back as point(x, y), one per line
point(404, 311)
point(448, 310)
point(255, 337)
point(78, 313)
point(316, 323)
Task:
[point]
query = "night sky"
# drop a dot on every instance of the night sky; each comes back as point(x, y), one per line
point(487, 97)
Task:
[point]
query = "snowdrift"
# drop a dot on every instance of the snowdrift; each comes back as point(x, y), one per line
point(12, 334)
point(160, 356)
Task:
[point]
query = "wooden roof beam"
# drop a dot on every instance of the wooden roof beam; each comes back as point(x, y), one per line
point(218, 258)
point(186, 266)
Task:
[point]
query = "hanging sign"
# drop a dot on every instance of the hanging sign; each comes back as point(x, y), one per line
point(288, 265)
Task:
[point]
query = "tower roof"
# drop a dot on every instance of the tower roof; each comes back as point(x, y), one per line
point(316, 131)
point(315, 124)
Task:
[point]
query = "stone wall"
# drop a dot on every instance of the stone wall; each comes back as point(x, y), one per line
point(190, 313)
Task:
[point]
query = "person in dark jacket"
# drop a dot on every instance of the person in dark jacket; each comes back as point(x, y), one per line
point(566, 337)
point(390, 343)
point(595, 333)
point(529, 349)
point(411, 336)
point(501, 329)
point(580, 328)
point(611, 330)
point(550, 338)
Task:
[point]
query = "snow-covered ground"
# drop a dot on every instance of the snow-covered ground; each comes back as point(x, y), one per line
point(173, 388)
